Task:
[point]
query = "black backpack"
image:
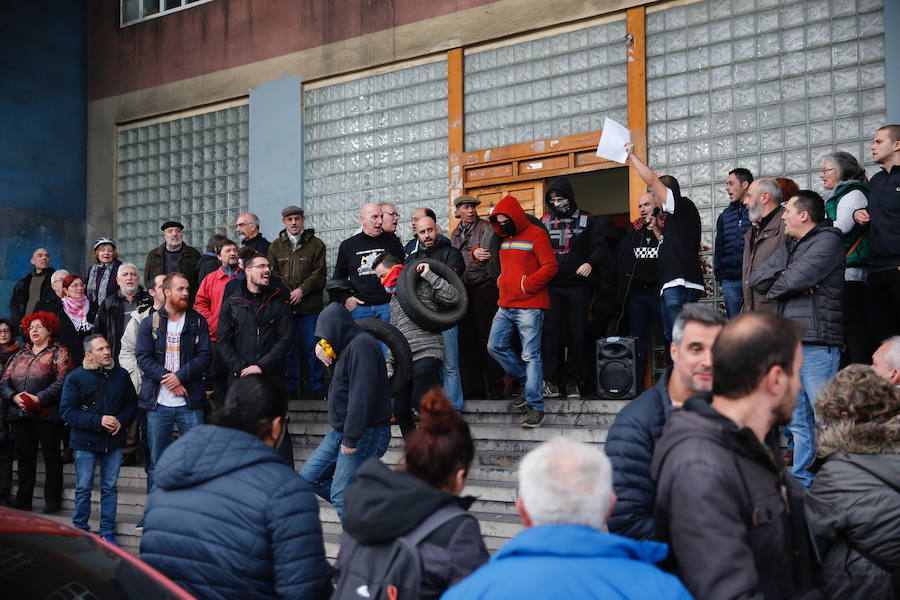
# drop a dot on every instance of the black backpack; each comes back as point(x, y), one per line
point(388, 571)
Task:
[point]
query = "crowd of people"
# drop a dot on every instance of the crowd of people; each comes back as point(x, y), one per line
point(105, 369)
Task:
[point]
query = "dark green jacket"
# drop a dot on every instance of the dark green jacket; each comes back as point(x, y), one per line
point(302, 267)
point(857, 236)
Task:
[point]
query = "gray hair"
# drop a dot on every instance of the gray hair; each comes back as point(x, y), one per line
point(892, 353)
point(848, 168)
point(127, 264)
point(771, 187)
point(254, 219)
point(59, 274)
point(89, 341)
point(695, 312)
point(563, 481)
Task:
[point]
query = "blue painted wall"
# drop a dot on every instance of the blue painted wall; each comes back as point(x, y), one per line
point(43, 120)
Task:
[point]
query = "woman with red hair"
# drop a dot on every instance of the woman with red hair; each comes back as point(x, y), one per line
point(382, 504)
point(76, 316)
point(30, 390)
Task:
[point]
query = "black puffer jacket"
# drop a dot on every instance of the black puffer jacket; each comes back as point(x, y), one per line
point(732, 224)
point(731, 513)
point(629, 446)
point(815, 262)
point(382, 505)
point(854, 509)
point(254, 329)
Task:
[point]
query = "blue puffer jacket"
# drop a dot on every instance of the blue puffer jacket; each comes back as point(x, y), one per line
point(229, 519)
point(629, 446)
point(571, 562)
point(731, 226)
point(118, 400)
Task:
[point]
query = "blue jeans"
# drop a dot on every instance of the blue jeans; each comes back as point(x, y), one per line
point(85, 463)
point(734, 296)
point(643, 312)
point(671, 303)
point(373, 311)
point(160, 424)
point(450, 368)
point(329, 472)
point(529, 367)
point(302, 350)
point(820, 363)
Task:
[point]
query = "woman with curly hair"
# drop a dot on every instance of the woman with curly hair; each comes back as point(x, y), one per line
point(30, 390)
point(854, 504)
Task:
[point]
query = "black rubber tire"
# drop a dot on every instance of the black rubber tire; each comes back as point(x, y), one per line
point(391, 337)
point(415, 309)
point(491, 243)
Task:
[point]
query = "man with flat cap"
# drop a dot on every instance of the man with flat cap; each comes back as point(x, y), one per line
point(480, 373)
point(297, 256)
point(173, 256)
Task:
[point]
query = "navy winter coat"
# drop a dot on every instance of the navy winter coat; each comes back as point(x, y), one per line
point(228, 518)
point(731, 226)
point(118, 399)
point(629, 446)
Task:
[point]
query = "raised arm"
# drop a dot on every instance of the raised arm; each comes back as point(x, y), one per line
point(648, 175)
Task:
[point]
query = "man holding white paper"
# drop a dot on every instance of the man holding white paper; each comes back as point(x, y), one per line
point(681, 281)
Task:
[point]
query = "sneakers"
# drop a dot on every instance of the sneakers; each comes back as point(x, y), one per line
point(534, 419)
point(140, 525)
point(572, 390)
point(110, 539)
point(550, 390)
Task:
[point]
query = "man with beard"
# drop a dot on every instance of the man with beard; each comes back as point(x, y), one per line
point(633, 435)
point(173, 354)
point(115, 310)
point(173, 256)
point(733, 517)
point(766, 234)
point(247, 228)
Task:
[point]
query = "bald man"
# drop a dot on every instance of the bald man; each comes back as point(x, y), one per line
point(366, 296)
point(32, 288)
point(247, 228)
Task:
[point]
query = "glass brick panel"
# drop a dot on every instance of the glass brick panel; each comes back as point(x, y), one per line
point(383, 138)
point(563, 84)
point(193, 169)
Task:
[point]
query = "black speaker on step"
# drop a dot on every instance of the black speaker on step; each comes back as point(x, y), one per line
point(616, 368)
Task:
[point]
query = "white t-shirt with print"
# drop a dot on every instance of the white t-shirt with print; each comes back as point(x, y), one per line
point(173, 362)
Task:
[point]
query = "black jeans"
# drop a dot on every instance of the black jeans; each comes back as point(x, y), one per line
point(643, 313)
point(477, 368)
point(7, 451)
point(219, 374)
point(565, 326)
point(884, 296)
point(28, 434)
point(426, 373)
point(857, 324)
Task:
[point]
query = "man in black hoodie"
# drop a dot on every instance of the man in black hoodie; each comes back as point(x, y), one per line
point(732, 515)
point(580, 249)
point(359, 407)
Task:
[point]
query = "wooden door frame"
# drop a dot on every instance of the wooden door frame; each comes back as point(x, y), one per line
point(549, 157)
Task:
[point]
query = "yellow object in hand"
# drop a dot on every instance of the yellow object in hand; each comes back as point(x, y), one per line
point(329, 351)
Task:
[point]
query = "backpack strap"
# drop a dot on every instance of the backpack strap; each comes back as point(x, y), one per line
point(435, 521)
point(154, 325)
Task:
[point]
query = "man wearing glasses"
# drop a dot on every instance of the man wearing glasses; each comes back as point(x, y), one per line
point(247, 228)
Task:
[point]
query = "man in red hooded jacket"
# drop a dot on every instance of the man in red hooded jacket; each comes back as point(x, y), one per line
point(527, 264)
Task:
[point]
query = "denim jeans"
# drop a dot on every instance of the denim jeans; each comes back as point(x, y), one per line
point(671, 302)
point(643, 312)
point(329, 472)
point(373, 311)
point(160, 424)
point(529, 367)
point(734, 296)
point(302, 351)
point(450, 368)
point(820, 363)
point(85, 463)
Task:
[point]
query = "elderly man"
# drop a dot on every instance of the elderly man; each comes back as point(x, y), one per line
point(390, 217)
point(32, 288)
point(766, 234)
point(413, 245)
point(297, 257)
point(886, 360)
point(52, 303)
point(173, 256)
point(355, 267)
point(115, 311)
point(565, 498)
point(247, 228)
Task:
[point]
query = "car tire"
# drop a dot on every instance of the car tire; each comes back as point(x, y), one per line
point(491, 243)
point(417, 311)
point(391, 337)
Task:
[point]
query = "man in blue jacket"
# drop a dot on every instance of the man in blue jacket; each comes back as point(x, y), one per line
point(565, 497)
point(732, 224)
point(633, 436)
point(98, 403)
point(173, 353)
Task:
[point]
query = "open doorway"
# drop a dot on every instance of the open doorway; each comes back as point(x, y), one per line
point(603, 192)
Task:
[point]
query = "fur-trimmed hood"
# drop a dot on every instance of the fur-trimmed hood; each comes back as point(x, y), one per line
point(846, 437)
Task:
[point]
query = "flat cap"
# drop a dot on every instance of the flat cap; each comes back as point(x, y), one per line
point(464, 199)
point(291, 210)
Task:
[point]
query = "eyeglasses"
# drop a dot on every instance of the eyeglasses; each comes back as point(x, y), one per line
point(265, 266)
point(239, 225)
point(36, 327)
point(391, 214)
point(5, 330)
point(829, 170)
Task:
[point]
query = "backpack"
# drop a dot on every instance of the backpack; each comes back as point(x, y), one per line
point(389, 571)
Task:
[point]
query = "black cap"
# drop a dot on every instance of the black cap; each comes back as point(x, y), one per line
point(168, 224)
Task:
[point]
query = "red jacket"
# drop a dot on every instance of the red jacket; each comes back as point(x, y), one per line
point(209, 298)
point(527, 262)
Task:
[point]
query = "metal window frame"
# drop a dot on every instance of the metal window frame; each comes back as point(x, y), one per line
point(162, 11)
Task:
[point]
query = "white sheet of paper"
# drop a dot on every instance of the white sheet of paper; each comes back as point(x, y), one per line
point(612, 141)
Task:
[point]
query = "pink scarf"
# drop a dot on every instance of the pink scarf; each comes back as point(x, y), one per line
point(77, 311)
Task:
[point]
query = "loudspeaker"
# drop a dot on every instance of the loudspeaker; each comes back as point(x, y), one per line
point(616, 368)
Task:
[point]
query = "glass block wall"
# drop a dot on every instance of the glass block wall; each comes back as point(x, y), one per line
point(770, 85)
point(193, 169)
point(381, 138)
point(551, 87)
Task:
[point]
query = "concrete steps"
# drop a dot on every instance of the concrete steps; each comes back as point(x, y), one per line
point(500, 443)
